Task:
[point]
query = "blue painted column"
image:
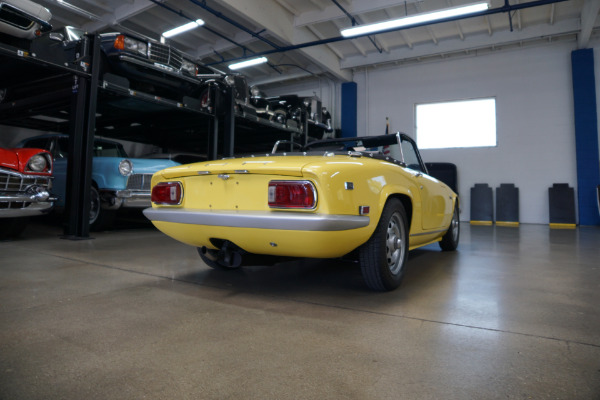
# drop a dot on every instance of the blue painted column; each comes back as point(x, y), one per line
point(349, 108)
point(586, 135)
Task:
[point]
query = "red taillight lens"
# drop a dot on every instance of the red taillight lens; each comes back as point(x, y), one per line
point(170, 193)
point(292, 194)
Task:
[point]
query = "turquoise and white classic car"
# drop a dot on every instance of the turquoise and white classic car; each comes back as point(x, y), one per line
point(117, 180)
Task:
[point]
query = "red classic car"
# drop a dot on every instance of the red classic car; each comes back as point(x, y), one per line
point(25, 184)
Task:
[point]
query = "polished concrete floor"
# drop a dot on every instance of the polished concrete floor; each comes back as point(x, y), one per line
point(132, 314)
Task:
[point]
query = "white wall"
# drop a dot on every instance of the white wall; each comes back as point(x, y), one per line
point(534, 99)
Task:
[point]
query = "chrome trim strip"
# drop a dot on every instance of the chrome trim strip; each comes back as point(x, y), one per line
point(133, 194)
point(26, 198)
point(289, 221)
point(25, 175)
point(429, 233)
point(175, 72)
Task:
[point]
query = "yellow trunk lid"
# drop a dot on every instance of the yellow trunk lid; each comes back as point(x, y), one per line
point(286, 166)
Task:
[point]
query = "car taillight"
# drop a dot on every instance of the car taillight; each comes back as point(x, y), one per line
point(292, 194)
point(169, 193)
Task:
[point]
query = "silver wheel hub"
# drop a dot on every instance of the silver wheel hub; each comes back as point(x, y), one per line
point(455, 225)
point(394, 247)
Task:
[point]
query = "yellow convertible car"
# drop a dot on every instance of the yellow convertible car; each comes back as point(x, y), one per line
point(370, 197)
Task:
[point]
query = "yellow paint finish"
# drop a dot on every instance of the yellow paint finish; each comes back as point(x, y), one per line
point(482, 223)
point(258, 241)
point(239, 192)
point(289, 166)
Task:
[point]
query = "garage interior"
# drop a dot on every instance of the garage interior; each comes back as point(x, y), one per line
point(128, 312)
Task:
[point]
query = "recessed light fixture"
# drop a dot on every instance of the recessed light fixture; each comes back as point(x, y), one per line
point(183, 28)
point(415, 19)
point(248, 63)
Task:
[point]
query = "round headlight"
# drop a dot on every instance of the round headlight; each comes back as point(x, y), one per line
point(189, 66)
point(125, 167)
point(230, 80)
point(37, 163)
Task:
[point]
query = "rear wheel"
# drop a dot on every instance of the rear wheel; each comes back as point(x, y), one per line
point(384, 255)
point(450, 239)
point(100, 219)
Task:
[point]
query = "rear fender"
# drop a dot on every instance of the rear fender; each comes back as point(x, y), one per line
point(410, 199)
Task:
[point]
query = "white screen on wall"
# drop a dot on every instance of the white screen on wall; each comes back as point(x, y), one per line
point(464, 123)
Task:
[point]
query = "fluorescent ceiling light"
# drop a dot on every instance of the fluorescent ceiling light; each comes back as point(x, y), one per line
point(248, 63)
point(183, 28)
point(415, 19)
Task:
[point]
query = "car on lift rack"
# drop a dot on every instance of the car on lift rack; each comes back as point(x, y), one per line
point(368, 197)
point(287, 109)
point(117, 180)
point(25, 185)
point(214, 94)
point(140, 63)
point(153, 67)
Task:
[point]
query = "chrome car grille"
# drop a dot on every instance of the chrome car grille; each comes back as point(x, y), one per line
point(14, 183)
point(139, 182)
point(165, 55)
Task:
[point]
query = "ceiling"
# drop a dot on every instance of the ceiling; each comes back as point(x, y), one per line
point(236, 29)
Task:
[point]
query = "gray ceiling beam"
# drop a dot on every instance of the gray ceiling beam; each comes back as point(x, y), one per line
point(356, 7)
point(471, 43)
point(121, 13)
point(279, 23)
point(589, 14)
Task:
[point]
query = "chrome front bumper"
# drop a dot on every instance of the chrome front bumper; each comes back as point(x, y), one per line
point(134, 198)
point(115, 199)
point(279, 220)
point(35, 201)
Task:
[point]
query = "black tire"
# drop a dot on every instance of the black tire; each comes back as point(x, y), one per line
point(211, 258)
point(450, 239)
point(100, 219)
point(280, 116)
point(11, 228)
point(383, 257)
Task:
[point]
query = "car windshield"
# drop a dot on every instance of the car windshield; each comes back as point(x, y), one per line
point(101, 149)
point(365, 143)
point(108, 149)
point(397, 148)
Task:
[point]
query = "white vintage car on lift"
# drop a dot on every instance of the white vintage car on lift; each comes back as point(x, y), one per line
point(23, 18)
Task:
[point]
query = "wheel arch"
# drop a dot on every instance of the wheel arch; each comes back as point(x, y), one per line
point(406, 202)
